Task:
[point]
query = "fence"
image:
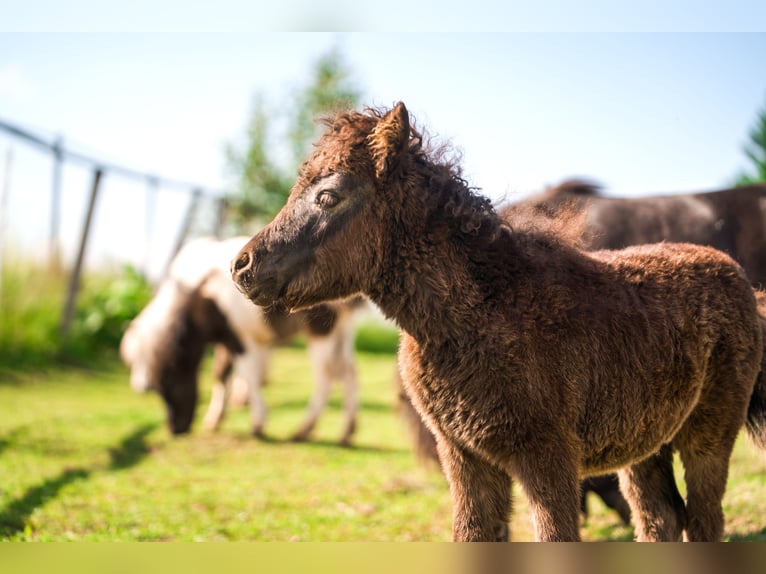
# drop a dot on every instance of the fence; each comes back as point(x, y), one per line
point(99, 170)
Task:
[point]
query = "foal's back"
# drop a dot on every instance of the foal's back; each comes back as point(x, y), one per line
point(681, 319)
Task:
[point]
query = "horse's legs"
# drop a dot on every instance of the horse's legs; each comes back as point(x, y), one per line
point(607, 487)
point(552, 486)
point(656, 506)
point(347, 366)
point(239, 393)
point(252, 366)
point(481, 495)
point(350, 399)
point(706, 468)
point(321, 352)
point(222, 366)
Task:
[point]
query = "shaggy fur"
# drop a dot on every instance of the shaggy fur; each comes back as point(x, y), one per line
point(606, 487)
point(732, 220)
point(526, 357)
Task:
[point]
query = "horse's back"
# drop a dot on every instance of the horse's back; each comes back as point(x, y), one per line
point(689, 341)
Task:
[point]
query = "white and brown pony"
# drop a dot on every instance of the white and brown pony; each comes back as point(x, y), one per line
point(196, 306)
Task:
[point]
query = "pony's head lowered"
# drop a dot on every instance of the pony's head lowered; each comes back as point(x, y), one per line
point(362, 186)
point(165, 344)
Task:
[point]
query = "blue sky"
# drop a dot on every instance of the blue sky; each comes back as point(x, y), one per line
point(639, 112)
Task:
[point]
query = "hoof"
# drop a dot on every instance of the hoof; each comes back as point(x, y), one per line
point(503, 534)
point(300, 437)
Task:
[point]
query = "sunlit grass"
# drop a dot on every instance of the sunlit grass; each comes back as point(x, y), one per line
point(82, 457)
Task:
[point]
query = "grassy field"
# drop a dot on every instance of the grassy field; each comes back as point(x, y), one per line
point(84, 458)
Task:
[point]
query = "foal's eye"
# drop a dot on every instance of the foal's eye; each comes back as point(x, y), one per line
point(327, 199)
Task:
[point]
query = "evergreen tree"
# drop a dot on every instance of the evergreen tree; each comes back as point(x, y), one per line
point(279, 139)
point(755, 150)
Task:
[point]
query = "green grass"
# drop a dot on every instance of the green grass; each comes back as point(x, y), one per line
point(84, 458)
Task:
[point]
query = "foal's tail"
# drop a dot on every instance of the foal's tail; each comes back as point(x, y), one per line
point(756, 410)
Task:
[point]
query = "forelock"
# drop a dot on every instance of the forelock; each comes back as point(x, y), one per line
point(342, 146)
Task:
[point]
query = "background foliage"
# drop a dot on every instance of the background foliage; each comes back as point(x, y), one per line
point(263, 165)
point(755, 151)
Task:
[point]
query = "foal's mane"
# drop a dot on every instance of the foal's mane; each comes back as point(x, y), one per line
point(344, 145)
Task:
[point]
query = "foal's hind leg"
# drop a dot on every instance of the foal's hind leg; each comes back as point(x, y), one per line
point(481, 495)
point(706, 467)
point(656, 506)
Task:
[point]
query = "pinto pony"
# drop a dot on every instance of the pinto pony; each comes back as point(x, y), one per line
point(197, 305)
point(525, 356)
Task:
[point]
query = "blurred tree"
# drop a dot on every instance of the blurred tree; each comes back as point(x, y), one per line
point(755, 150)
point(265, 167)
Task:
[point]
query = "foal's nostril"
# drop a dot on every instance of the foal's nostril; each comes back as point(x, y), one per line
point(241, 263)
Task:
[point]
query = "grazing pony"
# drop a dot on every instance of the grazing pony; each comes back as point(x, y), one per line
point(732, 220)
point(525, 356)
point(197, 305)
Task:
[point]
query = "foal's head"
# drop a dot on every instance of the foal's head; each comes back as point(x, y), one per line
point(369, 188)
point(324, 243)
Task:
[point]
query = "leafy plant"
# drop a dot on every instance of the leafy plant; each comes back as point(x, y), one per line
point(108, 305)
point(31, 302)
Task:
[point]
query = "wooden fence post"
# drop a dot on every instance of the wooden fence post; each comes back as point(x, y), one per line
point(221, 215)
point(152, 185)
point(54, 250)
point(5, 190)
point(74, 281)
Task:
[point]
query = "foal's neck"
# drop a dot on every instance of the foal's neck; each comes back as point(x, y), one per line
point(437, 287)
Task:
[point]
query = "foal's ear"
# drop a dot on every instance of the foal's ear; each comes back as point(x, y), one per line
point(388, 140)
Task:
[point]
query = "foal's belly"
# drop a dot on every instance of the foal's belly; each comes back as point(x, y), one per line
point(631, 433)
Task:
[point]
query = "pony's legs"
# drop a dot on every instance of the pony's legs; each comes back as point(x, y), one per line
point(706, 468)
point(252, 367)
point(552, 486)
point(481, 495)
point(350, 380)
point(321, 351)
point(350, 401)
point(656, 506)
point(222, 367)
point(239, 393)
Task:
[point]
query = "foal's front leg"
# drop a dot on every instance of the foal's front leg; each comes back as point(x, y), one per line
point(481, 495)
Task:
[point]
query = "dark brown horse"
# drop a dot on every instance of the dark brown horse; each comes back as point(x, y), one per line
point(526, 357)
point(732, 220)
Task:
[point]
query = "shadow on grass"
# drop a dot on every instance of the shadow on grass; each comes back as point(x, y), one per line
point(129, 452)
point(10, 438)
point(334, 404)
point(14, 516)
point(132, 449)
point(327, 443)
